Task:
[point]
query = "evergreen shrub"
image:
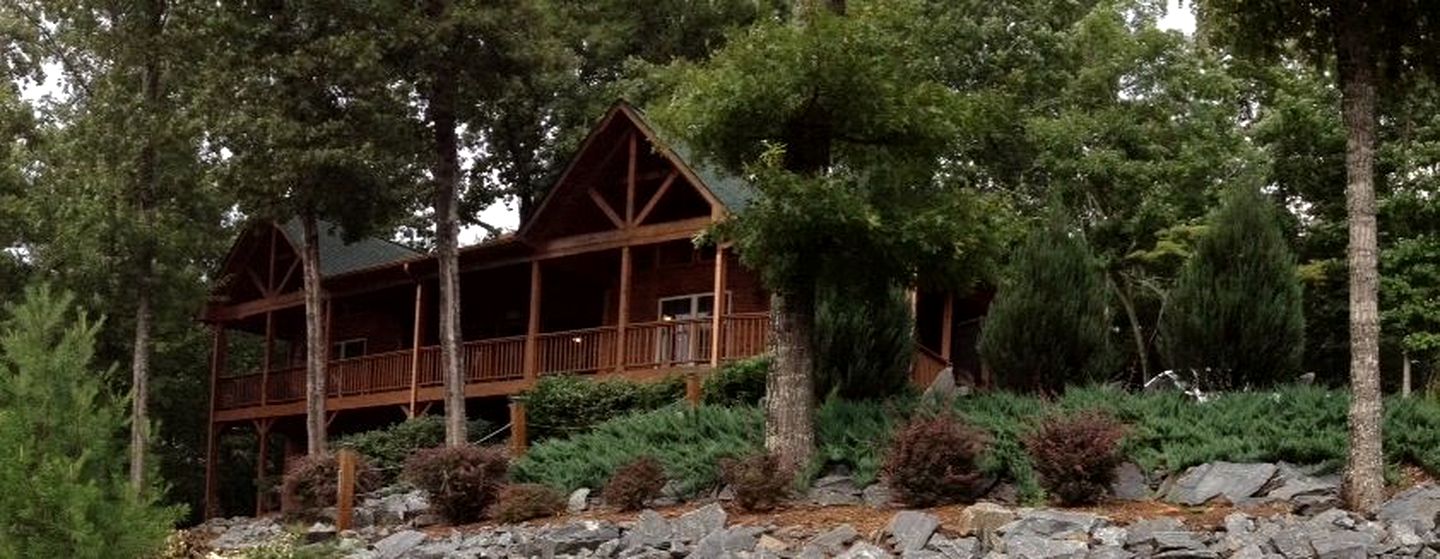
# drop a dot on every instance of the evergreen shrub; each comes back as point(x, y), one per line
point(461, 481)
point(631, 486)
point(564, 405)
point(1076, 455)
point(757, 481)
point(935, 460)
point(63, 485)
point(526, 501)
point(1235, 314)
point(1047, 327)
point(738, 383)
point(311, 481)
point(864, 342)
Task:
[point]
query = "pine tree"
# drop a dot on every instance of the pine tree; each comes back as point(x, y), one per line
point(63, 486)
point(1047, 326)
point(1235, 314)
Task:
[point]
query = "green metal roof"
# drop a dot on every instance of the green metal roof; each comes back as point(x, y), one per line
point(733, 191)
point(339, 257)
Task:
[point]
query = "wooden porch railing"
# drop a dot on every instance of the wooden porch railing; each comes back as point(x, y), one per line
point(661, 344)
point(927, 366)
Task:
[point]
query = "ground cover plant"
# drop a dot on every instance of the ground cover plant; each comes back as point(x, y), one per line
point(564, 405)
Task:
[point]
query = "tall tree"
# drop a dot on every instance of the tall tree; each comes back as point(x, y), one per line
point(840, 124)
point(1369, 40)
point(312, 129)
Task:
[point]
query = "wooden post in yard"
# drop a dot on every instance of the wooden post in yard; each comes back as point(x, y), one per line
point(718, 309)
point(532, 328)
point(692, 389)
point(946, 326)
point(418, 333)
point(622, 321)
point(345, 496)
point(517, 428)
point(212, 481)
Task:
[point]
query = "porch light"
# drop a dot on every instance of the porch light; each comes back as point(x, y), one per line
point(578, 340)
point(667, 318)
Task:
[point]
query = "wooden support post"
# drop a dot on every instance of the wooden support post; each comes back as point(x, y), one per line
point(946, 326)
point(692, 389)
point(532, 328)
point(1405, 373)
point(622, 321)
point(718, 308)
point(217, 363)
point(518, 441)
point(345, 496)
point(265, 361)
point(262, 460)
point(630, 182)
point(418, 337)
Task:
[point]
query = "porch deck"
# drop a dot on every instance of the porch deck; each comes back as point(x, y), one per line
point(498, 366)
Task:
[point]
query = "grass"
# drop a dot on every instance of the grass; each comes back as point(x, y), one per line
point(1168, 432)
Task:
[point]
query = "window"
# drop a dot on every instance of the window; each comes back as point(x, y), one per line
point(348, 349)
point(688, 339)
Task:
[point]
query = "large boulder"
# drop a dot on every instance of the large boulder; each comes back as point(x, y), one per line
point(1037, 547)
point(1416, 506)
point(698, 523)
point(584, 534)
point(650, 530)
point(1053, 524)
point(911, 530)
point(1130, 483)
point(1234, 482)
point(398, 544)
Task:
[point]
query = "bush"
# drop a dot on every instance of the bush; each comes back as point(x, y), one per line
point(738, 383)
point(1076, 455)
point(312, 481)
point(461, 481)
point(756, 480)
point(1235, 313)
point(565, 405)
point(388, 448)
point(1047, 327)
point(526, 501)
point(935, 460)
point(864, 343)
point(853, 435)
point(634, 484)
point(63, 485)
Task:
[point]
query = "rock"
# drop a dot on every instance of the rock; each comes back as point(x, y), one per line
point(1143, 532)
point(1251, 551)
point(1053, 524)
point(579, 500)
point(877, 496)
point(398, 544)
point(1003, 493)
point(961, 548)
point(1235, 482)
point(1177, 540)
point(1111, 536)
point(698, 523)
point(921, 554)
point(319, 532)
point(771, 543)
point(1108, 552)
point(864, 550)
point(834, 541)
point(943, 387)
point(650, 529)
point(1130, 483)
point(983, 520)
point(1291, 482)
point(911, 530)
point(1416, 506)
point(584, 534)
point(834, 490)
point(242, 533)
point(1293, 542)
point(1341, 545)
point(1037, 547)
point(727, 542)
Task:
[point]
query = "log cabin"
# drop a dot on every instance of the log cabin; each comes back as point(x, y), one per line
point(603, 279)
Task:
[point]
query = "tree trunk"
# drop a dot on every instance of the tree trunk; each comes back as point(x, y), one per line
point(316, 350)
point(1364, 481)
point(145, 192)
point(440, 103)
point(1405, 373)
point(1136, 330)
point(789, 390)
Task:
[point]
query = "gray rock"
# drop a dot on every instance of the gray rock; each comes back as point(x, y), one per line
point(727, 542)
point(319, 532)
point(1053, 524)
point(1235, 482)
point(943, 387)
point(834, 541)
point(959, 548)
point(1038, 547)
point(1130, 483)
point(579, 500)
point(1108, 552)
point(1416, 506)
point(1251, 551)
point(1291, 482)
point(834, 490)
point(1143, 532)
point(911, 530)
point(984, 520)
point(1111, 536)
point(398, 544)
point(921, 554)
point(698, 523)
point(877, 496)
point(584, 534)
point(865, 550)
point(650, 529)
point(1342, 545)
point(1175, 541)
point(1293, 542)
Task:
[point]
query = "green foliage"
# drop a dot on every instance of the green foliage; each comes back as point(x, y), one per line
point(63, 485)
point(631, 486)
point(864, 343)
point(687, 443)
point(388, 448)
point(1048, 327)
point(525, 501)
point(1235, 314)
point(737, 383)
point(461, 481)
point(564, 405)
point(853, 435)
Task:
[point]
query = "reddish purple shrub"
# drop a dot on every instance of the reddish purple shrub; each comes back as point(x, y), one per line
point(312, 482)
point(758, 483)
point(635, 483)
point(461, 481)
point(526, 501)
point(935, 460)
point(1076, 455)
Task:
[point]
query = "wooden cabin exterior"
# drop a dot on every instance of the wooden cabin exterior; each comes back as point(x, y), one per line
point(604, 280)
